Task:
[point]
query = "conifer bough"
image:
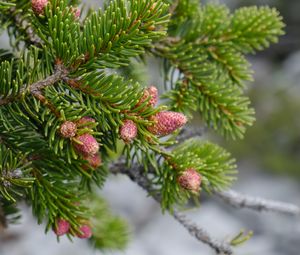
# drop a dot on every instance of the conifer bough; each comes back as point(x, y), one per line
point(71, 100)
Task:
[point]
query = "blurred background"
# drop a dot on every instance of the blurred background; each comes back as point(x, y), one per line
point(268, 160)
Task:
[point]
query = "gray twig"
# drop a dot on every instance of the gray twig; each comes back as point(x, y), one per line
point(136, 174)
point(190, 132)
point(239, 200)
point(202, 235)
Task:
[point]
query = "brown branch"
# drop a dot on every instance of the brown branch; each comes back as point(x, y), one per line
point(60, 73)
point(3, 222)
point(239, 200)
point(77, 84)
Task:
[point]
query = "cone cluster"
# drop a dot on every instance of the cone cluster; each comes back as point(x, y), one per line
point(85, 144)
point(164, 122)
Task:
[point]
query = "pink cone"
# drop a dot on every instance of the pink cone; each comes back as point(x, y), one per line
point(62, 227)
point(190, 180)
point(68, 129)
point(76, 12)
point(88, 146)
point(151, 92)
point(128, 131)
point(85, 232)
point(94, 161)
point(85, 120)
point(38, 6)
point(166, 122)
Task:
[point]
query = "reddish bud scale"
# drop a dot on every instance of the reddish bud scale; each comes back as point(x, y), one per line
point(128, 131)
point(151, 92)
point(38, 6)
point(85, 120)
point(76, 12)
point(85, 232)
point(166, 122)
point(94, 161)
point(88, 146)
point(190, 180)
point(62, 227)
point(68, 129)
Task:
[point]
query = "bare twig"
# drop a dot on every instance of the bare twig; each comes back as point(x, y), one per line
point(202, 235)
point(189, 132)
point(135, 173)
point(60, 73)
point(239, 200)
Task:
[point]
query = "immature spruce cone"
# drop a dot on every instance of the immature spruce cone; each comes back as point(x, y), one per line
point(128, 131)
point(94, 161)
point(85, 120)
point(68, 129)
point(190, 180)
point(88, 146)
point(151, 92)
point(166, 122)
point(38, 6)
point(63, 227)
point(76, 12)
point(85, 232)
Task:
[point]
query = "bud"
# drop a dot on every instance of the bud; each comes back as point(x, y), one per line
point(85, 232)
point(94, 161)
point(76, 11)
point(38, 6)
point(62, 227)
point(88, 145)
point(85, 120)
point(128, 131)
point(166, 122)
point(68, 129)
point(151, 92)
point(190, 180)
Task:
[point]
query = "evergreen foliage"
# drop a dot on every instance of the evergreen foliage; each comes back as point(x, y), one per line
point(64, 68)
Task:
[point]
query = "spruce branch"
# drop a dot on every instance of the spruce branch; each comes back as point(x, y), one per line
point(240, 200)
point(136, 174)
point(71, 69)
